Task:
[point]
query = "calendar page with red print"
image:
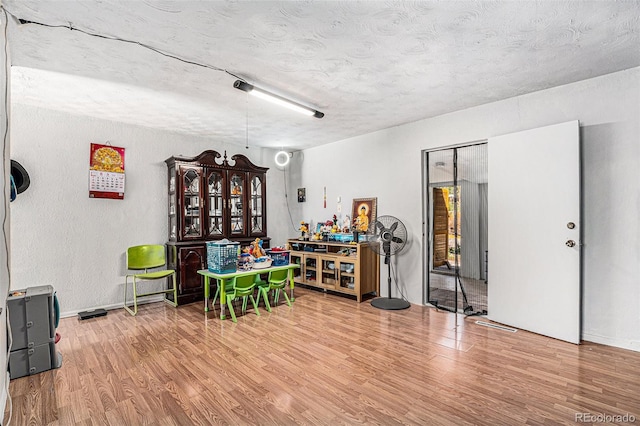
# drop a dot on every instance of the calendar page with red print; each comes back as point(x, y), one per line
point(106, 172)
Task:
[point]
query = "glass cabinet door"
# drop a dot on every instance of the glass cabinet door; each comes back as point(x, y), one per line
point(329, 272)
point(236, 207)
point(215, 203)
point(256, 199)
point(191, 226)
point(173, 208)
point(310, 269)
point(346, 271)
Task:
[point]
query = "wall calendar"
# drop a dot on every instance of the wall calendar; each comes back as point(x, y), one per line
point(106, 172)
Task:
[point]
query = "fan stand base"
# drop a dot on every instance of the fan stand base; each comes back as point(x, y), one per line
point(390, 303)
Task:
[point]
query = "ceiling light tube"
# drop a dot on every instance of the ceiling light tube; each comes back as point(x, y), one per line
point(279, 100)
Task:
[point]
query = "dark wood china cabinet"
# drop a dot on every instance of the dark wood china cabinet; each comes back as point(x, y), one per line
point(211, 198)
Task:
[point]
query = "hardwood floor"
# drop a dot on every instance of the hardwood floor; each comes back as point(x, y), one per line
point(327, 360)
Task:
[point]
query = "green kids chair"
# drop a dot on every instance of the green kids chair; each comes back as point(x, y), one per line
point(143, 258)
point(242, 287)
point(277, 281)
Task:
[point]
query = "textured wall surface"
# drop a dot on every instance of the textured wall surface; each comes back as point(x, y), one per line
point(387, 165)
point(63, 238)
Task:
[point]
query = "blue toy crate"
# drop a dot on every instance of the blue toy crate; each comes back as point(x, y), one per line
point(341, 237)
point(222, 256)
point(280, 258)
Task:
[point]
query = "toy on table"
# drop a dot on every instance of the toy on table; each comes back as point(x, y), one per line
point(245, 261)
point(262, 262)
point(256, 250)
point(254, 257)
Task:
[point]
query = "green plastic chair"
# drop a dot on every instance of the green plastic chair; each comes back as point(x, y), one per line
point(242, 287)
point(277, 281)
point(143, 258)
point(229, 288)
point(259, 282)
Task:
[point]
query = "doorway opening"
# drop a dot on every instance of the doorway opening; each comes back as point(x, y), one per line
point(456, 210)
point(446, 240)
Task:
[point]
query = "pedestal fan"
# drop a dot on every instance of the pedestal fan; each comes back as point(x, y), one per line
point(388, 239)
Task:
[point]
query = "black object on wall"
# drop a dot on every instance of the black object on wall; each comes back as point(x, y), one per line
point(20, 177)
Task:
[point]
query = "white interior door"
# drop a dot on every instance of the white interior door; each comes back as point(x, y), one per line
point(534, 197)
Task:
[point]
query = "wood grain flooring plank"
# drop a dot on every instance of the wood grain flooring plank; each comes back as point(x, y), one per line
point(65, 417)
point(326, 361)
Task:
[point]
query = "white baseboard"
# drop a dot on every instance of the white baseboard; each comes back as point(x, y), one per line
point(150, 299)
point(632, 345)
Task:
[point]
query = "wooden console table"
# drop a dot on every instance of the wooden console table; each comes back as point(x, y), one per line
point(346, 268)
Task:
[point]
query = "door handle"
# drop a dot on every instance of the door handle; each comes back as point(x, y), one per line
point(570, 243)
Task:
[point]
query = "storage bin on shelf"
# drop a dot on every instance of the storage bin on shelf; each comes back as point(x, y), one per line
point(279, 257)
point(341, 237)
point(363, 238)
point(222, 256)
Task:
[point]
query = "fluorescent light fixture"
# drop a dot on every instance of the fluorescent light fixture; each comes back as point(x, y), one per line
point(282, 158)
point(279, 100)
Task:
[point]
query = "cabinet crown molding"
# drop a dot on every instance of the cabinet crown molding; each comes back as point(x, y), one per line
point(210, 158)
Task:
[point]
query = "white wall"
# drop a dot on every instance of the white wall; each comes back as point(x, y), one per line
point(387, 164)
point(5, 244)
point(61, 237)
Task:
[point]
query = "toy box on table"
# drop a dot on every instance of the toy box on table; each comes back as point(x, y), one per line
point(279, 257)
point(222, 256)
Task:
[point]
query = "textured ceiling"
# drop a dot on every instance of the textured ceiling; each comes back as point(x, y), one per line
point(366, 65)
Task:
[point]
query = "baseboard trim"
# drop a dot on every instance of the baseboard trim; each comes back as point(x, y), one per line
point(632, 345)
point(150, 299)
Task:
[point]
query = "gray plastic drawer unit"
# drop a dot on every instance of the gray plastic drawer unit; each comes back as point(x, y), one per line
point(32, 321)
point(24, 362)
point(31, 316)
